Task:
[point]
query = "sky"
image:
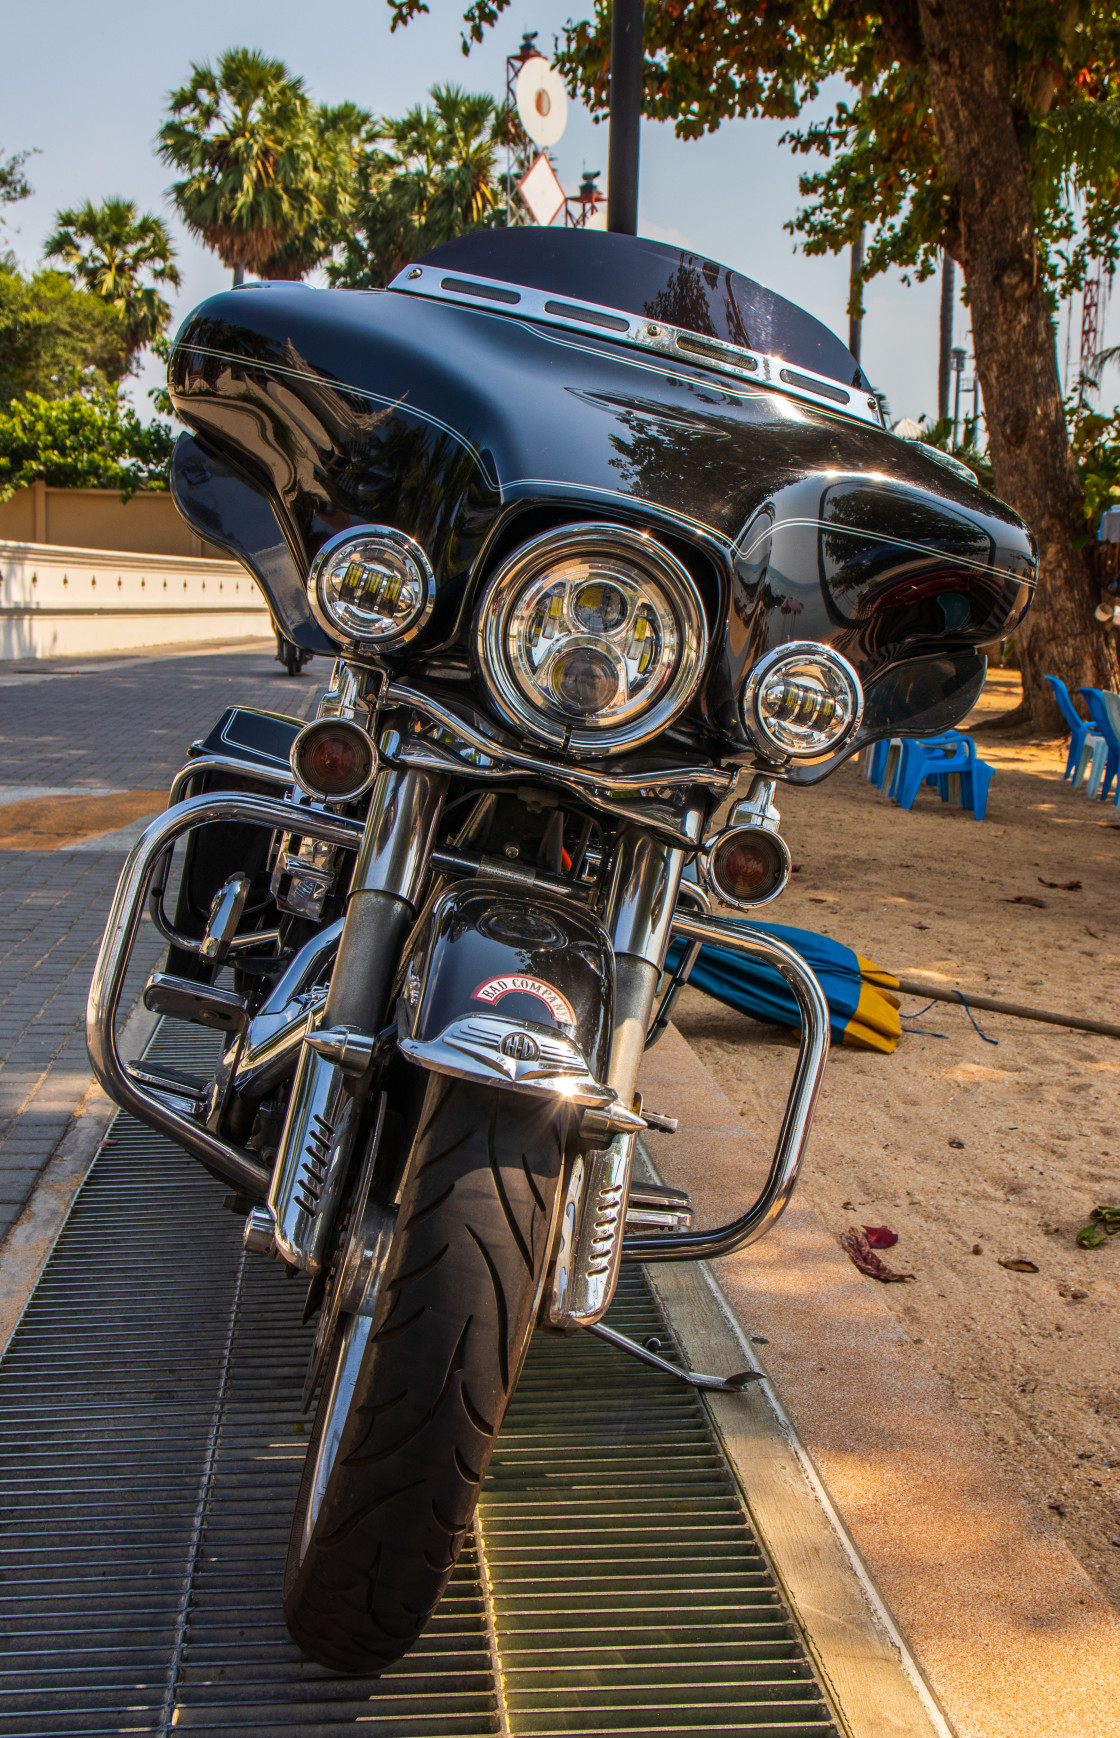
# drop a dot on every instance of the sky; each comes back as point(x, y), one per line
point(86, 87)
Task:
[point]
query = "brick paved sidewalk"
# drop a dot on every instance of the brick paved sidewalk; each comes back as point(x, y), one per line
point(125, 727)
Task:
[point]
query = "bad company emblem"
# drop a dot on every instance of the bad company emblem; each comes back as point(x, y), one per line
point(515, 982)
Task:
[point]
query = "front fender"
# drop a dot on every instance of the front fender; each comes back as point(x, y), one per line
point(513, 987)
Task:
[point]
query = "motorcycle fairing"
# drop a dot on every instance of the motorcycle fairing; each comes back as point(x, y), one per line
point(510, 985)
point(472, 429)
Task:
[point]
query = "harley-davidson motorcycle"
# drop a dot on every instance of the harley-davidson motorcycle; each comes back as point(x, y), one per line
point(608, 542)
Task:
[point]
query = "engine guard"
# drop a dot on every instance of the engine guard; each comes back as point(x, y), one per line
point(513, 989)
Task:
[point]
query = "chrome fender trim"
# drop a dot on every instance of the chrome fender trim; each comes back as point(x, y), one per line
point(514, 1053)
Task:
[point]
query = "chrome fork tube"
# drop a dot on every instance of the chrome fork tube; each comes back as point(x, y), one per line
point(641, 901)
point(400, 830)
point(314, 1153)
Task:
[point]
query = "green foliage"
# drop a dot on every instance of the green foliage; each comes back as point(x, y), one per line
point(266, 174)
point(110, 249)
point(1095, 439)
point(81, 442)
point(707, 61)
point(422, 180)
point(14, 184)
point(55, 339)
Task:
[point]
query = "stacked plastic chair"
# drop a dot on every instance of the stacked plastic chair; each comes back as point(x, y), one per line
point(904, 764)
point(1087, 747)
point(1104, 710)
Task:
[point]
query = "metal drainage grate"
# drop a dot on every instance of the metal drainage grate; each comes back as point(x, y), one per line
point(150, 1448)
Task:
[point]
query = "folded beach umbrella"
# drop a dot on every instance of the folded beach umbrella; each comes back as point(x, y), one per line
point(863, 1011)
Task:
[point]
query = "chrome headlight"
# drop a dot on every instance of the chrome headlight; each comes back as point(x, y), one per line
point(801, 701)
point(592, 638)
point(371, 583)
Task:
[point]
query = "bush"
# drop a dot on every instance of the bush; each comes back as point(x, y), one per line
point(81, 442)
point(55, 339)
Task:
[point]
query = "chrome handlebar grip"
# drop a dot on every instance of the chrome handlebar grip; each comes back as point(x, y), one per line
point(113, 1073)
point(771, 1203)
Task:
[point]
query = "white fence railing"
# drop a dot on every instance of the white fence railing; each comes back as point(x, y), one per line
point(66, 603)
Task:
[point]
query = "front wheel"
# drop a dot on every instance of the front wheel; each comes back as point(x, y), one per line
point(413, 1399)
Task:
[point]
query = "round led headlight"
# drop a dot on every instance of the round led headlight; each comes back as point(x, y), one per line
point(371, 583)
point(592, 638)
point(801, 701)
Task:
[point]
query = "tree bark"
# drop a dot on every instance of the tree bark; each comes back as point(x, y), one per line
point(1016, 358)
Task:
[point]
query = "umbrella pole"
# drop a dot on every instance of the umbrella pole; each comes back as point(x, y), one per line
point(939, 993)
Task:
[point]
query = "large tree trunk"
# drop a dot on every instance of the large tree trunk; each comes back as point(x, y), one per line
point(995, 244)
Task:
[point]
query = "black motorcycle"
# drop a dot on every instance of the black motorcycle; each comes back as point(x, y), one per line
point(607, 542)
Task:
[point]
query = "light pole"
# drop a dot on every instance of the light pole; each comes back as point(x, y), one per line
point(958, 370)
point(855, 296)
point(626, 116)
point(945, 335)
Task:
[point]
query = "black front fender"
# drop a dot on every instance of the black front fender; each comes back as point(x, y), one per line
point(513, 986)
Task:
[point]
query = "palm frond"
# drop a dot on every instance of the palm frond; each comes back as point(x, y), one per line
point(1075, 150)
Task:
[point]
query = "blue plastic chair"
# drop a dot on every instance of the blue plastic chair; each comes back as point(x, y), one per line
point(879, 763)
point(1078, 728)
point(935, 760)
point(1099, 713)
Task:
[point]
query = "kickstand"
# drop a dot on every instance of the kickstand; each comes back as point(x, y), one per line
point(714, 1384)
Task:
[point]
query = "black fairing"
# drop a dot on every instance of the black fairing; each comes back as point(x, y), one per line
point(316, 410)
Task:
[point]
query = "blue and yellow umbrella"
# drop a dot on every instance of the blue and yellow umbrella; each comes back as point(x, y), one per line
point(863, 1010)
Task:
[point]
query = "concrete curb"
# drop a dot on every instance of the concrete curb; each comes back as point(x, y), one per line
point(28, 1245)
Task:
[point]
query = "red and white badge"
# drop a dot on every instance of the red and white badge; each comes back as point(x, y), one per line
point(558, 1006)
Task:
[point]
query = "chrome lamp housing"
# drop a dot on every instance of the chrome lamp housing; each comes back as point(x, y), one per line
point(371, 585)
point(592, 638)
point(801, 701)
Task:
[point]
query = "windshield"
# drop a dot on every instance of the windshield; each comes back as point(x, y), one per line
point(660, 282)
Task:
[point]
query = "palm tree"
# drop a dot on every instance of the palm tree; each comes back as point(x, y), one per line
point(425, 179)
point(338, 137)
point(110, 249)
point(246, 137)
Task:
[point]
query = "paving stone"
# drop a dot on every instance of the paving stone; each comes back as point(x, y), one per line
point(126, 727)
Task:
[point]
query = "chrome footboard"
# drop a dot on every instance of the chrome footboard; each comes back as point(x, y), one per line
point(770, 1204)
point(125, 1085)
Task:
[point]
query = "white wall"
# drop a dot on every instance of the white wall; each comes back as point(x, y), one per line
point(57, 602)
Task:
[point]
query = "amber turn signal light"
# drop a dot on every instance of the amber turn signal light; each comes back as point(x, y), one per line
point(333, 759)
point(747, 866)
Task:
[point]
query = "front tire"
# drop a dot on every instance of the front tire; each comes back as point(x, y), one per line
point(413, 1400)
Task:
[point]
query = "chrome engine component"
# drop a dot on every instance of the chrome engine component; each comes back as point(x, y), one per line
point(311, 1160)
point(589, 1251)
point(301, 879)
point(201, 1004)
point(354, 1280)
point(225, 915)
point(243, 1169)
point(657, 1207)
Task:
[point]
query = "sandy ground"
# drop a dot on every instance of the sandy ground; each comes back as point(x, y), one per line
point(960, 1145)
point(47, 823)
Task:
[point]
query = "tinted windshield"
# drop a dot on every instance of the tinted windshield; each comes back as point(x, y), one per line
point(663, 283)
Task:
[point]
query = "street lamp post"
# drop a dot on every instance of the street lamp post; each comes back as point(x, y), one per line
point(626, 116)
point(958, 370)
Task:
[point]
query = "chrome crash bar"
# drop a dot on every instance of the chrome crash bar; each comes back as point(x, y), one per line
point(125, 1085)
point(771, 1203)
